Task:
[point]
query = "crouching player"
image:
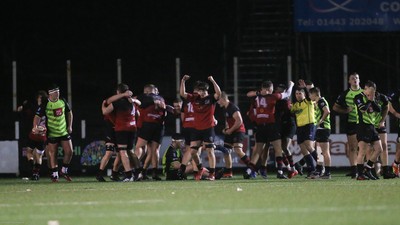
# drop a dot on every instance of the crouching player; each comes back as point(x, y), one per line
point(172, 159)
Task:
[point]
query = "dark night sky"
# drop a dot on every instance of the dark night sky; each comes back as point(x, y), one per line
point(147, 35)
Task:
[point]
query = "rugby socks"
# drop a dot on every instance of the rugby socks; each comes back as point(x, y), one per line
point(245, 159)
point(31, 163)
point(290, 159)
point(360, 169)
point(54, 172)
point(228, 170)
point(182, 168)
point(279, 163)
point(100, 172)
point(128, 174)
point(327, 170)
point(36, 168)
point(309, 159)
point(369, 164)
point(314, 154)
point(302, 161)
point(64, 168)
point(212, 170)
point(353, 169)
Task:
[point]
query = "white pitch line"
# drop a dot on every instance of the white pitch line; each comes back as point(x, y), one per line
point(163, 213)
point(84, 203)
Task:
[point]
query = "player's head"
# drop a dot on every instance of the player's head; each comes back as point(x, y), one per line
point(202, 88)
point(54, 92)
point(267, 87)
point(280, 88)
point(150, 89)
point(122, 88)
point(300, 94)
point(177, 140)
point(354, 79)
point(40, 95)
point(309, 84)
point(315, 93)
point(223, 99)
point(370, 88)
point(177, 105)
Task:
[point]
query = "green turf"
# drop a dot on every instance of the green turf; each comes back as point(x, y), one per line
point(297, 201)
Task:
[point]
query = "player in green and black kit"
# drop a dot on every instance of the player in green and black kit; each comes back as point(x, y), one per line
point(322, 116)
point(367, 135)
point(345, 104)
point(394, 108)
point(380, 117)
point(59, 127)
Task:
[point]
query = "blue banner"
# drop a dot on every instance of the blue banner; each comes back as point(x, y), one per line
point(346, 15)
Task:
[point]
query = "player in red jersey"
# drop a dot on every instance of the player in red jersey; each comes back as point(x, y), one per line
point(110, 140)
point(267, 128)
point(35, 140)
point(125, 128)
point(203, 131)
point(152, 113)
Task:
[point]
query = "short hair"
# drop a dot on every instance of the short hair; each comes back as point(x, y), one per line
point(353, 74)
point(224, 95)
point(200, 85)
point(122, 88)
point(42, 94)
point(177, 137)
point(266, 84)
point(308, 82)
point(315, 90)
point(300, 89)
point(370, 84)
point(178, 100)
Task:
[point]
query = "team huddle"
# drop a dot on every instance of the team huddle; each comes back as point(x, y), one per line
point(134, 128)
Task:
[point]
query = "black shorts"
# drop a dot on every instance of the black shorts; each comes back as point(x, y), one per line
point(267, 132)
point(109, 133)
point(381, 130)
point(125, 138)
point(236, 137)
point(288, 129)
point(306, 132)
point(151, 132)
point(57, 140)
point(206, 135)
point(367, 133)
point(351, 128)
point(186, 132)
point(322, 135)
point(39, 145)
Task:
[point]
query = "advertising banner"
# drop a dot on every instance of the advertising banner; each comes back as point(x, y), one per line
point(346, 15)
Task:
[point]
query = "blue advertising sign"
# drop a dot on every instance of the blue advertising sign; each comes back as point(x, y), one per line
point(346, 15)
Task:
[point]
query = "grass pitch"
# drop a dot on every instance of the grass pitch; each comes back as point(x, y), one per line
point(236, 201)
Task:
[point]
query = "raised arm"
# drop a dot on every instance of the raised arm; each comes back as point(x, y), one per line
point(288, 91)
point(126, 94)
point(217, 89)
point(252, 94)
point(106, 108)
point(182, 89)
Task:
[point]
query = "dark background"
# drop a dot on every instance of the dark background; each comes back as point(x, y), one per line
point(147, 36)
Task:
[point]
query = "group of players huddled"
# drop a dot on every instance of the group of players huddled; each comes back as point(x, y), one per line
point(135, 124)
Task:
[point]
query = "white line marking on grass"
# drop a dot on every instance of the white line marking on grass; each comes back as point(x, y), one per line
point(53, 222)
point(84, 203)
point(174, 213)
